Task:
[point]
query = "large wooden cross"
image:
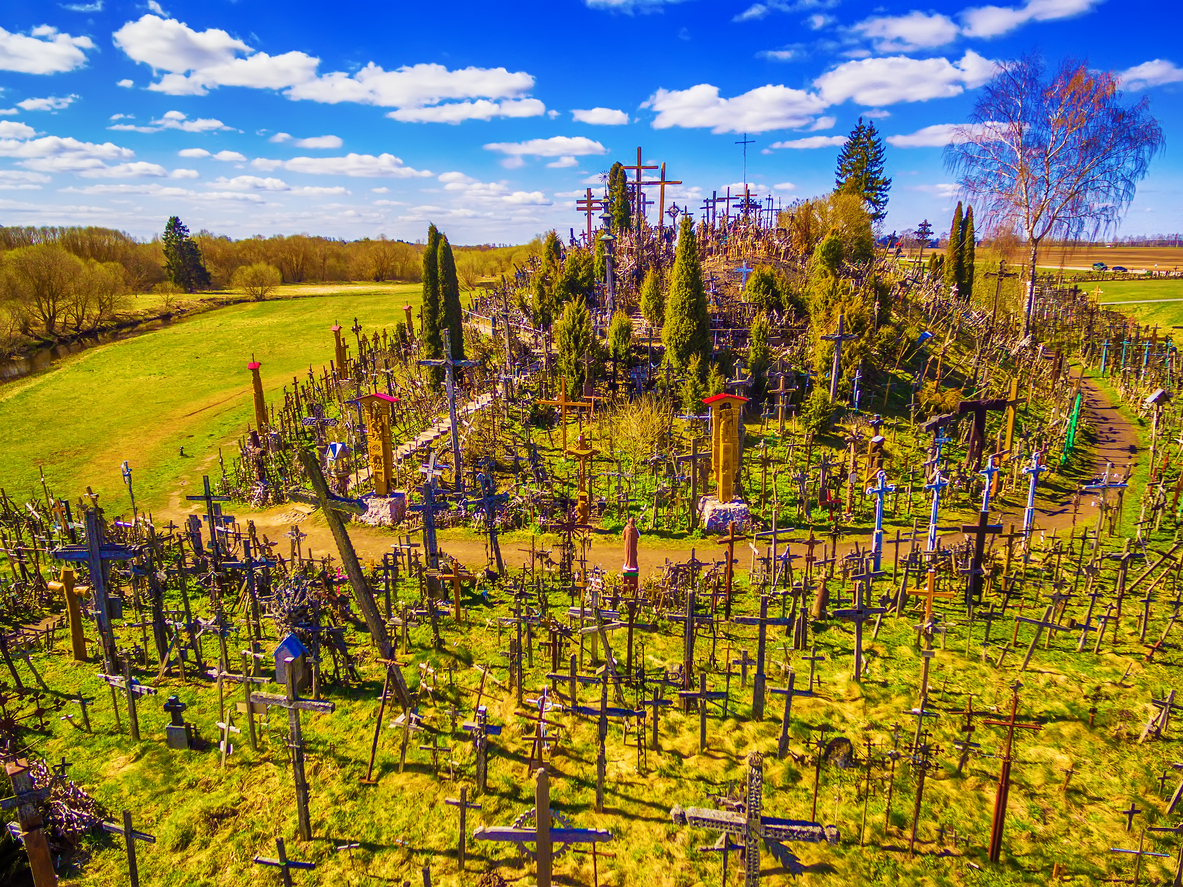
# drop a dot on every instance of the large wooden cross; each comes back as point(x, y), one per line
point(589, 205)
point(838, 337)
point(294, 705)
point(762, 622)
point(212, 515)
point(130, 836)
point(544, 835)
point(450, 364)
point(662, 182)
point(97, 555)
point(754, 827)
point(1001, 797)
point(637, 184)
point(977, 435)
point(564, 404)
point(24, 799)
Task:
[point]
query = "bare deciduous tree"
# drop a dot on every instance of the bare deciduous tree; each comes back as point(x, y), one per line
point(1053, 155)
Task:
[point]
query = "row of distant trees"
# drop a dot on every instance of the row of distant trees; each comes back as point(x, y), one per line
point(56, 281)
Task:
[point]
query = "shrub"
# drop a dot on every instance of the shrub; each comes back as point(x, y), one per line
point(257, 280)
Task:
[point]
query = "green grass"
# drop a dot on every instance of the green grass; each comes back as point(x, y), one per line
point(143, 398)
point(1163, 315)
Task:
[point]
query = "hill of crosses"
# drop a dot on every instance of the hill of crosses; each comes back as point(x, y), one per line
point(703, 545)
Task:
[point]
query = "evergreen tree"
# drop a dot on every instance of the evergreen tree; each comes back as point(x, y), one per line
point(620, 340)
point(600, 261)
point(652, 298)
point(182, 258)
point(764, 289)
point(573, 336)
point(687, 327)
point(618, 198)
point(451, 312)
point(693, 390)
point(433, 342)
point(953, 256)
point(759, 356)
point(860, 169)
point(542, 305)
point(967, 255)
point(552, 254)
point(716, 384)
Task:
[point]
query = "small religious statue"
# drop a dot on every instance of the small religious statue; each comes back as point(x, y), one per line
point(631, 569)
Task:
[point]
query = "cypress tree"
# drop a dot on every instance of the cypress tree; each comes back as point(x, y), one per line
point(618, 197)
point(687, 327)
point(433, 342)
point(860, 169)
point(967, 255)
point(652, 299)
point(552, 254)
point(693, 391)
point(953, 258)
point(573, 334)
point(451, 313)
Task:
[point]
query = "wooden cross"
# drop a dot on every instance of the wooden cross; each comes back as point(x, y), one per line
point(481, 730)
point(763, 622)
point(588, 205)
point(662, 182)
point(544, 835)
point(637, 183)
point(25, 798)
point(462, 803)
point(97, 555)
point(1140, 852)
point(752, 826)
point(564, 404)
point(729, 568)
point(1000, 798)
point(284, 864)
point(980, 530)
point(859, 613)
point(449, 363)
point(133, 689)
point(455, 575)
point(782, 745)
point(693, 457)
point(212, 515)
point(1040, 625)
point(977, 436)
point(703, 696)
point(294, 705)
point(929, 594)
point(838, 337)
point(130, 836)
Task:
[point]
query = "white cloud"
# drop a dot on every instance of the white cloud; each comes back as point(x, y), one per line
point(8, 112)
point(944, 190)
point(784, 186)
point(280, 137)
point(193, 152)
point(759, 110)
point(11, 129)
point(125, 83)
point(758, 11)
point(630, 6)
point(475, 190)
point(169, 191)
point(122, 117)
point(382, 190)
point(97, 6)
point(50, 103)
point(1158, 72)
point(994, 21)
point(354, 165)
point(42, 51)
point(823, 123)
point(563, 163)
point(904, 33)
point(812, 142)
point(133, 127)
point(194, 62)
point(878, 113)
point(134, 170)
point(320, 142)
point(777, 55)
point(184, 174)
point(157, 8)
point(600, 116)
point(228, 156)
point(936, 136)
point(20, 175)
point(251, 183)
point(556, 146)
point(886, 81)
point(177, 120)
point(57, 154)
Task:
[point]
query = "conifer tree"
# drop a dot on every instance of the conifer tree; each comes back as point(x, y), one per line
point(953, 259)
point(618, 197)
point(620, 340)
point(687, 327)
point(693, 391)
point(860, 169)
point(433, 342)
point(967, 255)
point(182, 258)
point(652, 298)
point(573, 336)
point(759, 356)
point(552, 254)
point(451, 312)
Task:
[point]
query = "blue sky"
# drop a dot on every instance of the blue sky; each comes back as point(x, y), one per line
point(361, 119)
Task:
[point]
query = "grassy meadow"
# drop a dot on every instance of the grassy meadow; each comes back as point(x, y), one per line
point(186, 385)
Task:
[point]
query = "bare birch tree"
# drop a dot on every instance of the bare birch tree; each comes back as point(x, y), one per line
point(1053, 155)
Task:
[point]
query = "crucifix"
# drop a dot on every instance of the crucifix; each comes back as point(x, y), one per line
point(449, 363)
point(1039, 624)
point(489, 501)
point(1033, 471)
point(294, 706)
point(838, 337)
point(284, 864)
point(589, 206)
point(130, 836)
point(980, 530)
point(662, 182)
point(97, 554)
point(543, 835)
point(729, 570)
point(133, 688)
point(977, 435)
point(213, 515)
point(935, 486)
point(1000, 798)
point(859, 613)
point(638, 194)
point(879, 491)
point(564, 404)
point(753, 827)
point(763, 622)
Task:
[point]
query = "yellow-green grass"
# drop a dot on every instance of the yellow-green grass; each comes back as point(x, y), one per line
point(187, 385)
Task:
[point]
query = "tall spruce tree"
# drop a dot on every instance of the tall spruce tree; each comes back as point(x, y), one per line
point(433, 342)
point(967, 255)
point(687, 327)
point(953, 256)
point(652, 299)
point(182, 258)
point(573, 336)
point(618, 197)
point(451, 312)
point(860, 169)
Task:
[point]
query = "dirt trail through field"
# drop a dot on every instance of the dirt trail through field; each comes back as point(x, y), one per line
point(1117, 443)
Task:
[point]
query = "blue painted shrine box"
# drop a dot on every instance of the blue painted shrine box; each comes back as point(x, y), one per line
point(292, 648)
